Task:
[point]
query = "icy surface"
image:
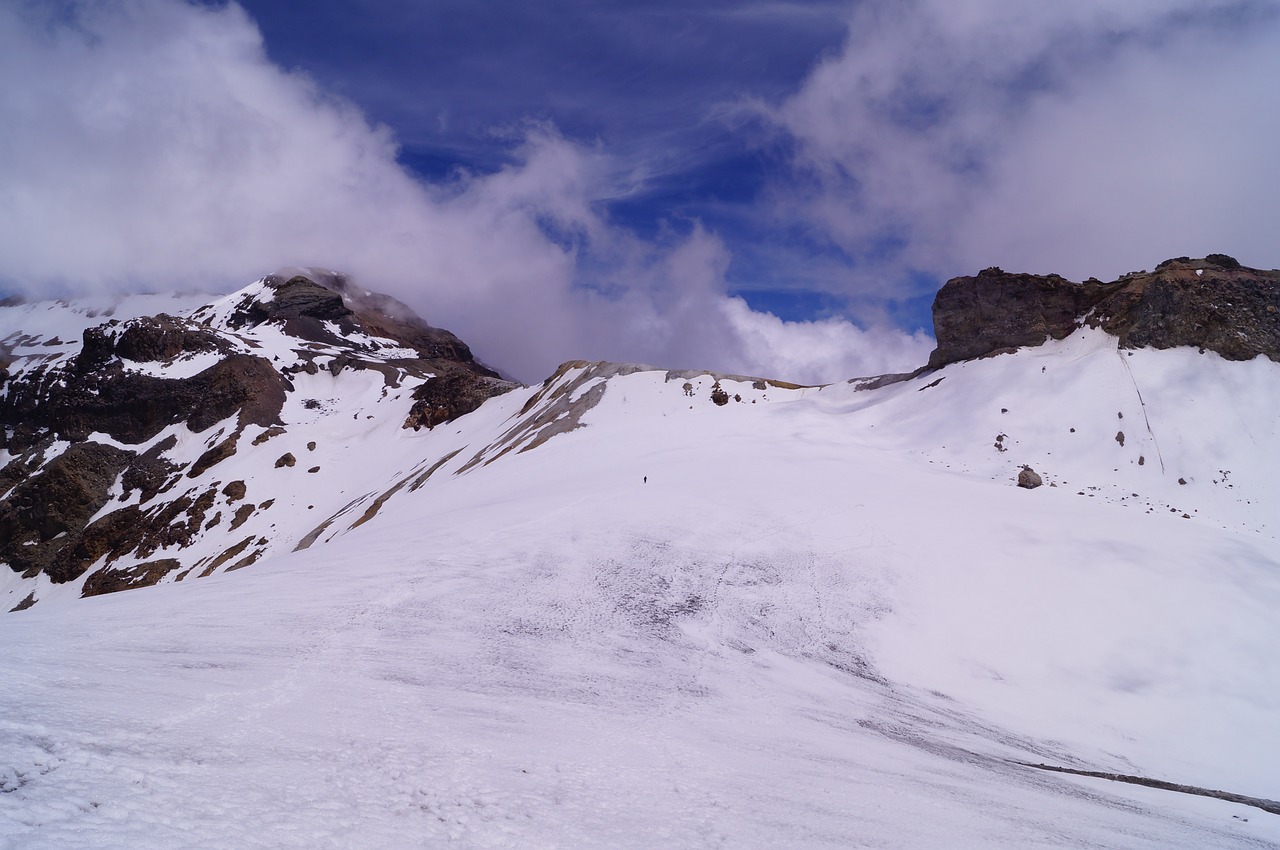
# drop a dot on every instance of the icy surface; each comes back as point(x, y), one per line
point(805, 618)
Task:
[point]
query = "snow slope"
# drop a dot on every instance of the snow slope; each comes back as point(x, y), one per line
point(608, 612)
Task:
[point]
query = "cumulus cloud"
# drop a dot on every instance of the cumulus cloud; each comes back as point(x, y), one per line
point(1087, 138)
point(152, 144)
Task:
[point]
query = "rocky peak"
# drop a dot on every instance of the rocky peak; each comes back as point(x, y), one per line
point(1213, 303)
point(326, 307)
point(113, 451)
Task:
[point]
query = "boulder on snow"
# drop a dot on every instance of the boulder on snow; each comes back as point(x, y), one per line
point(1029, 478)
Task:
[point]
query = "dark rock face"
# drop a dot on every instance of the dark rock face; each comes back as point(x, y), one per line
point(446, 397)
point(131, 407)
point(145, 340)
point(139, 575)
point(43, 517)
point(1214, 304)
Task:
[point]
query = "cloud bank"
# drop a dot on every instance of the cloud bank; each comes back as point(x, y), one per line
point(1088, 138)
point(152, 144)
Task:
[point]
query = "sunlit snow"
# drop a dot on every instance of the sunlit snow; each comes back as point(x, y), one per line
point(806, 618)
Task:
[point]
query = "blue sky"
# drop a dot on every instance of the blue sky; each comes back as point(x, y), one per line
point(766, 187)
point(662, 87)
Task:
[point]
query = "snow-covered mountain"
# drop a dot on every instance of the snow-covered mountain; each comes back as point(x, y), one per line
point(400, 602)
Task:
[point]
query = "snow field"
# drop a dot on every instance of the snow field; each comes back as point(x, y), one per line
point(827, 619)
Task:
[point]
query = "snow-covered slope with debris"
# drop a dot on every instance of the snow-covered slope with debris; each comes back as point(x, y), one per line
point(631, 608)
point(195, 438)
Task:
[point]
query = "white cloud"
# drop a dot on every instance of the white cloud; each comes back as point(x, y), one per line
point(152, 144)
point(808, 352)
point(1087, 138)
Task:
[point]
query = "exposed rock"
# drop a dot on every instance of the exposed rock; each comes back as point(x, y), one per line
point(215, 455)
point(163, 337)
point(446, 397)
point(146, 339)
point(242, 515)
point(140, 575)
point(273, 431)
point(133, 408)
point(111, 537)
point(996, 310)
point(1213, 304)
point(286, 459)
point(150, 470)
point(302, 304)
point(46, 402)
point(1029, 478)
point(48, 511)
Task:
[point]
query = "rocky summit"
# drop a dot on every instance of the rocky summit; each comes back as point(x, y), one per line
point(1214, 304)
point(112, 446)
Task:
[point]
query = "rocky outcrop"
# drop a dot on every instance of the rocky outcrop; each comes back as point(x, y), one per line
point(132, 407)
point(446, 397)
point(1213, 304)
point(330, 309)
point(82, 428)
point(139, 575)
point(146, 340)
point(43, 517)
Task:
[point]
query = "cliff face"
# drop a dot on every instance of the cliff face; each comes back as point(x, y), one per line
point(1213, 303)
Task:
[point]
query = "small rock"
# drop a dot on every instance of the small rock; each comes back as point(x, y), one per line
point(1120, 437)
point(718, 395)
point(1029, 479)
point(314, 469)
point(286, 459)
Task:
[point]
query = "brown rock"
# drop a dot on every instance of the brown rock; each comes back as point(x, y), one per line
point(1214, 304)
point(109, 580)
point(444, 398)
point(1029, 479)
point(215, 455)
point(45, 513)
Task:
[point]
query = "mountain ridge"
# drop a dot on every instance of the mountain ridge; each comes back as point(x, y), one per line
point(89, 432)
point(629, 607)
